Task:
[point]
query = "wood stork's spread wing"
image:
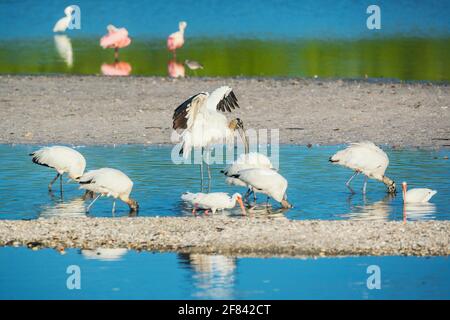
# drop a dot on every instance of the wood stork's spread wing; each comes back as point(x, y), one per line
point(184, 115)
point(222, 99)
point(228, 102)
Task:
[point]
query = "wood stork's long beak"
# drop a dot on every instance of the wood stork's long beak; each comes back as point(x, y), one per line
point(244, 138)
point(239, 199)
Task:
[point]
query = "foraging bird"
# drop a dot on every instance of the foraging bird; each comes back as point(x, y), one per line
point(266, 181)
point(116, 38)
point(193, 65)
point(245, 161)
point(62, 24)
point(176, 39)
point(213, 201)
point(62, 159)
point(416, 195)
point(201, 124)
point(109, 182)
point(366, 158)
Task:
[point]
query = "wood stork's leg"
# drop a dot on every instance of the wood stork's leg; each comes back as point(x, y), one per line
point(350, 180)
point(90, 205)
point(52, 182)
point(60, 185)
point(201, 171)
point(88, 195)
point(365, 185)
point(247, 194)
point(114, 207)
point(208, 156)
point(254, 196)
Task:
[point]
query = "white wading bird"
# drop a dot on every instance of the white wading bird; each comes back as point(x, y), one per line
point(109, 182)
point(266, 181)
point(245, 161)
point(63, 23)
point(201, 124)
point(366, 158)
point(213, 201)
point(62, 159)
point(416, 195)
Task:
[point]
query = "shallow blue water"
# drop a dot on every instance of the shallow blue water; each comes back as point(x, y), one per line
point(316, 187)
point(26, 274)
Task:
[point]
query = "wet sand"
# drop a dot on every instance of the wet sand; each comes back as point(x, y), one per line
point(231, 236)
point(105, 110)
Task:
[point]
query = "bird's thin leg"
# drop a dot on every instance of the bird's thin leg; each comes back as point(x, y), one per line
point(52, 182)
point(194, 209)
point(114, 207)
point(90, 205)
point(208, 155)
point(365, 185)
point(247, 194)
point(116, 54)
point(254, 196)
point(350, 180)
point(61, 185)
point(267, 203)
point(201, 172)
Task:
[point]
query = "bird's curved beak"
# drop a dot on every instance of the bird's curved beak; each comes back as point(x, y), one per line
point(239, 199)
point(244, 138)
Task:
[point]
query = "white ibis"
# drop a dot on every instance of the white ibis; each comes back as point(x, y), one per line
point(366, 158)
point(109, 182)
point(266, 181)
point(62, 24)
point(62, 159)
point(201, 124)
point(245, 161)
point(213, 201)
point(416, 195)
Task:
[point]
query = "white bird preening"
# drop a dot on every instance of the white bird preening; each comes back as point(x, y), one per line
point(266, 181)
point(416, 195)
point(213, 201)
point(62, 24)
point(62, 159)
point(366, 158)
point(246, 161)
point(111, 183)
point(201, 124)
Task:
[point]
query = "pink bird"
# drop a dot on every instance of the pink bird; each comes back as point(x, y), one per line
point(176, 39)
point(116, 38)
point(175, 69)
point(116, 69)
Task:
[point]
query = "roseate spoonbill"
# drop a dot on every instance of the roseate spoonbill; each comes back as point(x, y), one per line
point(213, 201)
point(62, 159)
point(201, 124)
point(366, 158)
point(175, 69)
point(266, 181)
point(416, 195)
point(116, 38)
point(245, 161)
point(109, 182)
point(176, 39)
point(62, 24)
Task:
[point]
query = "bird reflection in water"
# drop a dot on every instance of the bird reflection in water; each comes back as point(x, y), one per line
point(378, 210)
point(213, 275)
point(176, 69)
point(69, 209)
point(118, 68)
point(418, 211)
point(64, 48)
point(104, 254)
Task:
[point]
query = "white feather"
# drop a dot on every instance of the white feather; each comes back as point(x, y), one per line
point(266, 181)
point(108, 182)
point(214, 201)
point(246, 161)
point(419, 195)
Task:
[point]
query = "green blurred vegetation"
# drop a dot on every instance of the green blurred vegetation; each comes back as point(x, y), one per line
point(399, 58)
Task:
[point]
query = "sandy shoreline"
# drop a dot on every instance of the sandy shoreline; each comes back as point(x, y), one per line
point(242, 237)
point(105, 110)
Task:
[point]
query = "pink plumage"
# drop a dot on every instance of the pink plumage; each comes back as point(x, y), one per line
point(176, 39)
point(116, 69)
point(116, 38)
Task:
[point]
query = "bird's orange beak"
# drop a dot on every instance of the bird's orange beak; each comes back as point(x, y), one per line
point(239, 199)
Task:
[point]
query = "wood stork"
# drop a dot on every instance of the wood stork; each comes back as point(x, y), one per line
point(266, 181)
point(213, 201)
point(109, 182)
point(200, 123)
point(62, 159)
point(366, 158)
point(416, 195)
point(62, 24)
point(245, 161)
point(176, 39)
point(116, 38)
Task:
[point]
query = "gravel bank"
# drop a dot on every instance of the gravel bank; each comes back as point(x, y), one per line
point(106, 110)
point(242, 237)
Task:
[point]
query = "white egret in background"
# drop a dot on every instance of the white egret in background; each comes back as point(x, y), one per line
point(111, 183)
point(416, 195)
point(63, 160)
point(201, 124)
point(63, 23)
point(245, 161)
point(366, 158)
point(64, 48)
point(213, 201)
point(266, 181)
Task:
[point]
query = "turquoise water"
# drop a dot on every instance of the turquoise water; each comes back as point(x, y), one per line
point(316, 187)
point(26, 274)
